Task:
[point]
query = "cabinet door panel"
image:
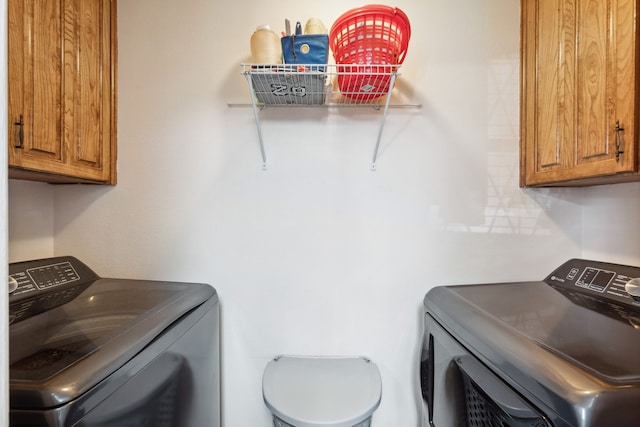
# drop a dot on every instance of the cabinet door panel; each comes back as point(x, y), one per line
point(606, 86)
point(35, 79)
point(84, 115)
point(626, 110)
point(548, 96)
point(549, 99)
point(594, 80)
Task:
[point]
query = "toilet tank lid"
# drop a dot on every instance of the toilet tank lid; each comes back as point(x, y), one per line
point(329, 391)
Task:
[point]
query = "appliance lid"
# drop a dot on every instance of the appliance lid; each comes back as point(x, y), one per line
point(312, 391)
point(605, 343)
point(580, 313)
point(91, 330)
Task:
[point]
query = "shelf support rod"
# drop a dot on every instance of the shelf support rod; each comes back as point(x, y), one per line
point(257, 119)
point(384, 118)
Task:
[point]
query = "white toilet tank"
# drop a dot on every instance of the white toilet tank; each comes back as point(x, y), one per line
point(310, 391)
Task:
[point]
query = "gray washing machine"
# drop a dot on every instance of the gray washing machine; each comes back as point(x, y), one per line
point(88, 351)
point(558, 352)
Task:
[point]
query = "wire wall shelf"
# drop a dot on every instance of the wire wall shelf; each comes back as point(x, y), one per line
point(326, 85)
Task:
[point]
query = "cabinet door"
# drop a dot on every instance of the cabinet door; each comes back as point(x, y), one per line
point(578, 82)
point(87, 82)
point(35, 82)
point(60, 89)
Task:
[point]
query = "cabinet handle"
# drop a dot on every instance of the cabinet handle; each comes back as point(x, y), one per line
point(619, 130)
point(20, 124)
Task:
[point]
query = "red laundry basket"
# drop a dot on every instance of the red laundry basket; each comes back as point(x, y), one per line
point(374, 37)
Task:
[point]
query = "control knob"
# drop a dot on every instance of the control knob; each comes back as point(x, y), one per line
point(13, 284)
point(633, 288)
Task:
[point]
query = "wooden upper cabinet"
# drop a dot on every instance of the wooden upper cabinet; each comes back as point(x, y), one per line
point(62, 90)
point(579, 93)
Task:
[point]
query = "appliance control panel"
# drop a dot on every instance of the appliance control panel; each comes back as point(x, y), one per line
point(611, 281)
point(39, 285)
point(44, 277)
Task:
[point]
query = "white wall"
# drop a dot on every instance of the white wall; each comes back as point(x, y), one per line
point(31, 219)
point(318, 254)
point(611, 223)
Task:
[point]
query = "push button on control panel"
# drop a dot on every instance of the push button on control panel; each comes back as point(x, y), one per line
point(572, 274)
